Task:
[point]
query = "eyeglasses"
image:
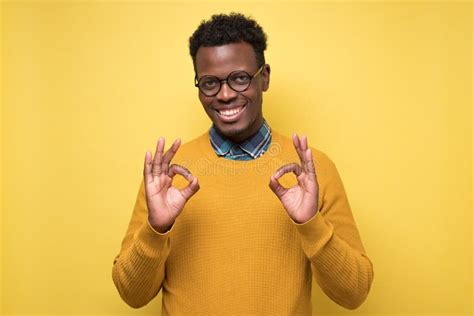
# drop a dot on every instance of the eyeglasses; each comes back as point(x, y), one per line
point(238, 81)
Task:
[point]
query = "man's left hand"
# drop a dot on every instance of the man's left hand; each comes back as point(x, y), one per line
point(301, 200)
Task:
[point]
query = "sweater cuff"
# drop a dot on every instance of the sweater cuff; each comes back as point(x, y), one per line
point(315, 234)
point(153, 242)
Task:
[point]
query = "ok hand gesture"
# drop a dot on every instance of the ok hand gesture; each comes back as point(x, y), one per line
point(301, 200)
point(164, 201)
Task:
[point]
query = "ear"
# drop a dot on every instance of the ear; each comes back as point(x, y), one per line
point(266, 77)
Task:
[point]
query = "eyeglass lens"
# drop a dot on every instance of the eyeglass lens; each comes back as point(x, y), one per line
point(237, 80)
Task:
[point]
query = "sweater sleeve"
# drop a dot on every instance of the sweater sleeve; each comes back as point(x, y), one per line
point(138, 270)
point(331, 242)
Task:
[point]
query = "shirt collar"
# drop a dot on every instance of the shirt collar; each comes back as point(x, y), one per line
point(254, 146)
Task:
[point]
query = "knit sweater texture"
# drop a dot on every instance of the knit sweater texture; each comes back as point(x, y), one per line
point(234, 250)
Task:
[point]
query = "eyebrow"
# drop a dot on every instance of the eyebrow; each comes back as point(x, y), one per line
point(197, 77)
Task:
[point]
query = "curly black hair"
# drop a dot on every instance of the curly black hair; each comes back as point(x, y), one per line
point(224, 29)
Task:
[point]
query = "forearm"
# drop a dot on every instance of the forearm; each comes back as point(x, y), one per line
point(138, 270)
point(344, 273)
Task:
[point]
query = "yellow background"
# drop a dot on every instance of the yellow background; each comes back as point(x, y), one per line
point(383, 88)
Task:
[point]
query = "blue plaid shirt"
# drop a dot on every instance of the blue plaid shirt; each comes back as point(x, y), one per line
point(251, 148)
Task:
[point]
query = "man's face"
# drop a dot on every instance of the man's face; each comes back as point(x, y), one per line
point(246, 116)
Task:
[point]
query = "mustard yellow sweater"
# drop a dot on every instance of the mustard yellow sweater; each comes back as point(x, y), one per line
point(235, 250)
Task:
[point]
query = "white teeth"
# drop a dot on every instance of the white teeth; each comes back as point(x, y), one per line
point(230, 112)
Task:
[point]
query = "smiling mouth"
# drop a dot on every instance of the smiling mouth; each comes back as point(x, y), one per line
point(230, 112)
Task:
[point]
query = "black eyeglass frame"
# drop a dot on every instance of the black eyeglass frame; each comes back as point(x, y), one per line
point(196, 81)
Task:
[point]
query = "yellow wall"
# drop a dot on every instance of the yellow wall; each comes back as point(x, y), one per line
point(383, 88)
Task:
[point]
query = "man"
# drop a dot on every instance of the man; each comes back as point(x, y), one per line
point(232, 236)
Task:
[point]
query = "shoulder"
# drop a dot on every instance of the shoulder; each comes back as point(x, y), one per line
point(194, 148)
point(196, 154)
point(196, 143)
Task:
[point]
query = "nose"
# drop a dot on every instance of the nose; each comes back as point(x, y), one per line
point(226, 93)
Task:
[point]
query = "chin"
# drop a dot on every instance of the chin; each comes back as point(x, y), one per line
point(236, 132)
point(230, 131)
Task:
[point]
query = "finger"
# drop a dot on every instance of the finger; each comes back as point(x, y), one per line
point(191, 189)
point(147, 168)
point(156, 168)
point(193, 185)
point(291, 167)
point(304, 147)
point(304, 143)
point(296, 142)
point(308, 165)
point(178, 169)
point(276, 187)
point(310, 168)
point(165, 162)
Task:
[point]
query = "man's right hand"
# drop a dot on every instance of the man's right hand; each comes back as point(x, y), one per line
point(164, 201)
